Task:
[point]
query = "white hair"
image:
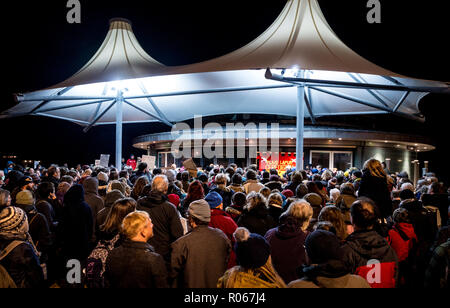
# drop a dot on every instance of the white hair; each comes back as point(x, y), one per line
point(407, 186)
point(160, 183)
point(334, 194)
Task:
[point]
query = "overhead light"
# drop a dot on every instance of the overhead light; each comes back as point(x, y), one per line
point(385, 141)
point(340, 139)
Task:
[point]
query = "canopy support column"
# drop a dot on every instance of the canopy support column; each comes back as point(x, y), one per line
point(300, 121)
point(119, 131)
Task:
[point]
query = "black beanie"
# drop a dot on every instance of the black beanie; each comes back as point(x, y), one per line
point(322, 246)
point(406, 194)
point(252, 250)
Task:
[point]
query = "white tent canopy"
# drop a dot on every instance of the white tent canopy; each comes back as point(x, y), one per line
point(123, 84)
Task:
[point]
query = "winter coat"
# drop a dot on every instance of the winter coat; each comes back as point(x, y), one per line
point(226, 194)
point(76, 225)
point(167, 226)
point(376, 188)
point(221, 220)
point(275, 211)
point(257, 220)
point(252, 185)
point(402, 238)
point(38, 230)
point(237, 188)
point(46, 208)
point(365, 245)
point(23, 265)
point(287, 251)
point(135, 265)
point(234, 211)
point(422, 219)
point(200, 258)
point(332, 274)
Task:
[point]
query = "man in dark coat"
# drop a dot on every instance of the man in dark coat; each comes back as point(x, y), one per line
point(199, 258)
point(135, 264)
point(366, 248)
point(167, 226)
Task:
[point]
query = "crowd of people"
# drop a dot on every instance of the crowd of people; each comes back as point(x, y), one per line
point(223, 227)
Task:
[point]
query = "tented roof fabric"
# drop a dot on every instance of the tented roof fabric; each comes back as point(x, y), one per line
point(300, 38)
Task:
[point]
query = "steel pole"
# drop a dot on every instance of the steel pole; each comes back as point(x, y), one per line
point(300, 121)
point(119, 122)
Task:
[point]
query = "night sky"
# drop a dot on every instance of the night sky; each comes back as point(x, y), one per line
point(41, 49)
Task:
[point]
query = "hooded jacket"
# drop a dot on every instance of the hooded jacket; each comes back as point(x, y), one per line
point(92, 197)
point(365, 245)
point(287, 251)
point(226, 194)
point(167, 226)
point(401, 238)
point(77, 224)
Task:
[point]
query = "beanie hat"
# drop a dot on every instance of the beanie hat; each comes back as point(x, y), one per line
point(288, 193)
point(200, 209)
point(25, 197)
point(401, 215)
point(174, 199)
point(313, 199)
point(102, 177)
point(214, 199)
point(322, 245)
point(112, 197)
point(12, 219)
point(252, 250)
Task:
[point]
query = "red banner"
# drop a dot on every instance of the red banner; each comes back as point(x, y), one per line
point(280, 162)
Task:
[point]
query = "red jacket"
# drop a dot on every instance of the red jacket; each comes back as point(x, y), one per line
point(223, 221)
point(401, 237)
point(132, 163)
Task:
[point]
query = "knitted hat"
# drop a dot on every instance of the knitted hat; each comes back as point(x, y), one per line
point(102, 177)
point(25, 197)
point(117, 185)
point(313, 199)
point(200, 209)
point(288, 193)
point(214, 199)
point(12, 219)
point(274, 178)
point(252, 250)
point(322, 245)
point(174, 199)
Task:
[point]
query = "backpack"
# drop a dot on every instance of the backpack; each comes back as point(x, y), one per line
point(96, 263)
point(6, 282)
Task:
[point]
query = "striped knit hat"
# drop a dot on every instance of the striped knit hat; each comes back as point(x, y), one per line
point(12, 219)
